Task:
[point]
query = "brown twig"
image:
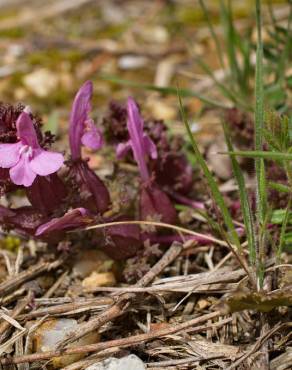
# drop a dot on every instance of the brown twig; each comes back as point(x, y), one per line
point(68, 308)
point(182, 361)
point(178, 229)
point(123, 301)
point(13, 283)
point(17, 310)
point(123, 342)
point(258, 344)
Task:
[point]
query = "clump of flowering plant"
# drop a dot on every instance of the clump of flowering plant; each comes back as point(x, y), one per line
point(67, 194)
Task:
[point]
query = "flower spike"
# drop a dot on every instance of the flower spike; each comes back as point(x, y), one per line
point(82, 130)
point(140, 143)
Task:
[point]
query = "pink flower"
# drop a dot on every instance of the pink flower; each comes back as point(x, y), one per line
point(139, 142)
point(82, 130)
point(26, 159)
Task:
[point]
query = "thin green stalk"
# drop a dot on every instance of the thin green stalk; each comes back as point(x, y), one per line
point(213, 34)
point(165, 90)
point(231, 40)
point(259, 111)
point(212, 183)
point(272, 15)
point(228, 92)
point(283, 231)
point(261, 155)
point(259, 126)
point(279, 187)
point(285, 53)
point(245, 206)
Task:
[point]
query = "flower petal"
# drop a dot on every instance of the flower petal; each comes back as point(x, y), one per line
point(21, 173)
point(9, 154)
point(26, 131)
point(122, 149)
point(135, 128)
point(150, 147)
point(92, 138)
point(79, 114)
point(134, 118)
point(73, 219)
point(45, 162)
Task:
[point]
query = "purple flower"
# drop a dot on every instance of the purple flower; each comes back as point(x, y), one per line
point(139, 142)
point(82, 130)
point(72, 219)
point(26, 159)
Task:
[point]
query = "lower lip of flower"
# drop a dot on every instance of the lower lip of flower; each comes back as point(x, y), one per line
point(26, 150)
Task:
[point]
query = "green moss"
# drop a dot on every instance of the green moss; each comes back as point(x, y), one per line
point(112, 31)
point(190, 15)
point(51, 57)
point(10, 243)
point(12, 33)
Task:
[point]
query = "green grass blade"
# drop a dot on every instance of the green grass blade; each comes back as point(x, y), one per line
point(230, 38)
point(226, 91)
point(283, 231)
point(271, 13)
point(165, 90)
point(261, 192)
point(279, 187)
point(245, 206)
point(247, 65)
point(259, 154)
point(281, 70)
point(259, 117)
point(218, 198)
point(213, 34)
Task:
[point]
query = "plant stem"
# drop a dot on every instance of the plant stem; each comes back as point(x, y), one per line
point(259, 163)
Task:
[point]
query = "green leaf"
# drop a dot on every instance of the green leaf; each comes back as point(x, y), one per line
point(279, 215)
point(288, 242)
point(279, 187)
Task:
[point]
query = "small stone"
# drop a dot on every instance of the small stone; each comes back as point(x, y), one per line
point(154, 34)
point(41, 82)
point(202, 304)
point(161, 109)
point(51, 332)
point(90, 260)
point(130, 362)
point(98, 279)
point(221, 164)
point(132, 62)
